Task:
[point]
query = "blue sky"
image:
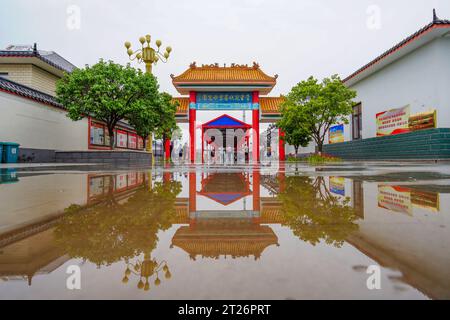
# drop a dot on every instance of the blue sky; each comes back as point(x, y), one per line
point(294, 39)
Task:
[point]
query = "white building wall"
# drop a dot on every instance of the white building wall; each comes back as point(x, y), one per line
point(444, 83)
point(419, 79)
point(38, 126)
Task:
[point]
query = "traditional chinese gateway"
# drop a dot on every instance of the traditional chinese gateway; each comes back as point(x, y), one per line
point(226, 88)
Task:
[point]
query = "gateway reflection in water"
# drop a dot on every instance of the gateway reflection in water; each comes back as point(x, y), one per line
point(203, 234)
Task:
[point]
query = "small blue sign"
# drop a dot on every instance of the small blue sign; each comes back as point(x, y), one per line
point(336, 134)
point(337, 185)
point(224, 101)
point(224, 106)
point(224, 97)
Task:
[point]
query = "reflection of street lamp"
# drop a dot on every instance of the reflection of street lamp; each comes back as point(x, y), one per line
point(145, 270)
point(147, 54)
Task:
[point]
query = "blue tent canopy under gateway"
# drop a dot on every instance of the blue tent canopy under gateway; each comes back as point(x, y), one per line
point(225, 121)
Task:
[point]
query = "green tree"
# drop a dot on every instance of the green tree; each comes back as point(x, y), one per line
point(108, 92)
point(294, 134)
point(318, 105)
point(166, 122)
point(145, 121)
point(314, 214)
point(158, 118)
point(116, 229)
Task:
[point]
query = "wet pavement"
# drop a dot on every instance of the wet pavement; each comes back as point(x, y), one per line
point(269, 231)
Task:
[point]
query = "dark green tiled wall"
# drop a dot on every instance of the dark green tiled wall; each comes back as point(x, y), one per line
point(433, 144)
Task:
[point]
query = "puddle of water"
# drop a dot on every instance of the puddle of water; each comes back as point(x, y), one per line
point(248, 232)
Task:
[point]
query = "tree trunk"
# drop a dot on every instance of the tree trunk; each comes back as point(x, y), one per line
point(320, 147)
point(164, 146)
point(296, 151)
point(145, 142)
point(111, 138)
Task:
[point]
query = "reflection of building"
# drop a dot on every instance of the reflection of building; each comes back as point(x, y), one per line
point(30, 251)
point(414, 243)
point(222, 231)
point(29, 248)
point(100, 185)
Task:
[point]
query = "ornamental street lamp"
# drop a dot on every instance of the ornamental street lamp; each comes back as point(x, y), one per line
point(147, 54)
point(145, 270)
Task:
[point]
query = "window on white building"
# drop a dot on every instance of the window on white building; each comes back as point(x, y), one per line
point(357, 122)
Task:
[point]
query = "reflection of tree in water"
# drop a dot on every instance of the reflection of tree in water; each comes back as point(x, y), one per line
point(115, 230)
point(314, 214)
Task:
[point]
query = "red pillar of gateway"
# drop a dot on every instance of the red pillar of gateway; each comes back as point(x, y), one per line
point(282, 177)
point(255, 123)
point(167, 148)
point(281, 146)
point(167, 176)
point(192, 192)
point(256, 190)
point(192, 120)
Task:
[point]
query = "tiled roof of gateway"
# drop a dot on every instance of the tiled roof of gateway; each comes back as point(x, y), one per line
point(222, 75)
point(27, 92)
point(183, 105)
point(271, 104)
point(435, 23)
point(49, 57)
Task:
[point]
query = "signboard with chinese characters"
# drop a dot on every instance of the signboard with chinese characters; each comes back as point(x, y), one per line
point(132, 179)
point(395, 121)
point(224, 101)
point(398, 121)
point(395, 198)
point(97, 134)
point(122, 139)
point(96, 186)
point(121, 181)
point(132, 141)
point(427, 200)
point(337, 185)
point(404, 199)
point(423, 120)
point(140, 143)
point(336, 134)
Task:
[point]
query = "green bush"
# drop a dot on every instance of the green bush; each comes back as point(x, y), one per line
point(315, 159)
point(320, 159)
